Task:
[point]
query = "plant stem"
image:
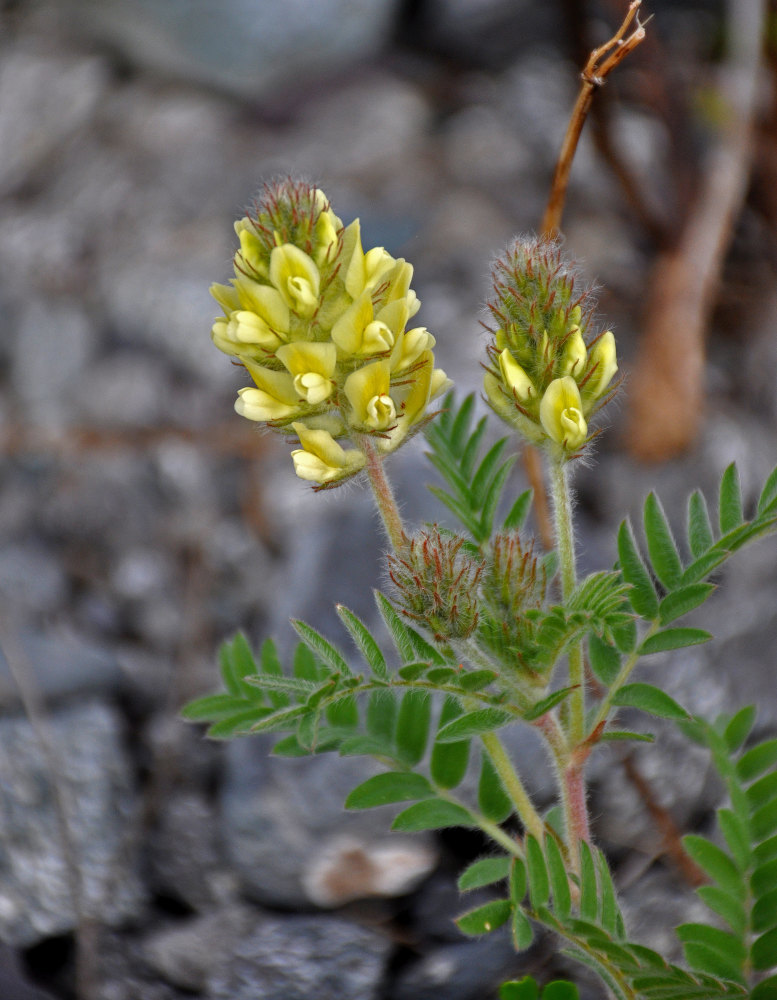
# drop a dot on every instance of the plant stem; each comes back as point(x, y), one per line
point(513, 785)
point(569, 763)
point(565, 545)
point(384, 495)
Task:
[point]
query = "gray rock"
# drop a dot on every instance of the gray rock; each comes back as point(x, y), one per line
point(185, 862)
point(468, 970)
point(60, 667)
point(186, 953)
point(654, 905)
point(301, 957)
point(36, 900)
point(284, 828)
point(244, 47)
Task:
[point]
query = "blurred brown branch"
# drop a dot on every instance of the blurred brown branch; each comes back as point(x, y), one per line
point(667, 389)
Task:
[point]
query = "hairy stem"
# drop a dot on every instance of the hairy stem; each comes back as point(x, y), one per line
point(384, 495)
point(513, 785)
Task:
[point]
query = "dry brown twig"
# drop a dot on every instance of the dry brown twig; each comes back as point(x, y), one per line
point(601, 62)
point(667, 390)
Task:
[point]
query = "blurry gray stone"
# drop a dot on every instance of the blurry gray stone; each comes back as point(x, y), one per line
point(125, 971)
point(35, 892)
point(245, 47)
point(185, 954)
point(302, 957)
point(14, 982)
point(479, 146)
point(468, 970)
point(44, 99)
point(123, 390)
point(282, 819)
point(654, 905)
point(61, 667)
point(184, 858)
point(53, 344)
point(31, 575)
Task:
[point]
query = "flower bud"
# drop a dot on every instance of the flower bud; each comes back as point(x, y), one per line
point(320, 325)
point(437, 583)
point(546, 369)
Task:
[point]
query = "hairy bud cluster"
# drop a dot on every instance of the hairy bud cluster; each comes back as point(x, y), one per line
point(513, 583)
point(321, 327)
point(547, 372)
point(437, 583)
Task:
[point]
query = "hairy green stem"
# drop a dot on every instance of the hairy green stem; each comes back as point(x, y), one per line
point(384, 495)
point(513, 785)
point(623, 675)
point(570, 769)
point(565, 546)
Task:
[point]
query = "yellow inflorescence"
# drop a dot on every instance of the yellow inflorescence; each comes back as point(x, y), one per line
point(547, 373)
point(321, 327)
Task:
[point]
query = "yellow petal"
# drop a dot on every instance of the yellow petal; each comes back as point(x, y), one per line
point(321, 459)
point(312, 366)
point(348, 331)
point(561, 413)
point(603, 365)
point(296, 277)
point(515, 378)
point(362, 388)
point(574, 355)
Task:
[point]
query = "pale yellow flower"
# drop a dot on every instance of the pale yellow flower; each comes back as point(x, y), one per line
point(561, 413)
point(273, 397)
point(321, 459)
point(297, 278)
point(515, 378)
point(312, 366)
point(604, 365)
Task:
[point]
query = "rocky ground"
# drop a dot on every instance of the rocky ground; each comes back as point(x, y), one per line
point(141, 522)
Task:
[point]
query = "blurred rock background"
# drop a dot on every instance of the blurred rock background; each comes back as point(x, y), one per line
point(141, 522)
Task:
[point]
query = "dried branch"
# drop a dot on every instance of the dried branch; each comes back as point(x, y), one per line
point(666, 392)
point(601, 63)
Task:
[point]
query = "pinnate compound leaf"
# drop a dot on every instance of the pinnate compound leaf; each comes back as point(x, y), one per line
point(673, 638)
point(432, 814)
point(365, 641)
point(642, 595)
point(522, 931)
point(389, 786)
point(559, 881)
point(681, 601)
point(649, 699)
point(321, 646)
point(413, 722)
point(484, 919)
point(546, 704)
point(716, 863)
point(738, 728)
point(520, 989)
point(484, 871)
point(482, 720)
point(448, 763)
point(765, 990)
point(730, 514)
point(519, 512)
point(539, 882)
point(604, 659)
point(662, 549)
point(493, 800)
point(700, 537)
point(768, 494)
point(757, 760)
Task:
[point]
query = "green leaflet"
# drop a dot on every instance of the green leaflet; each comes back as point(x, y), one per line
point(482, 720)
point(649, 699)
point(484, 919)
point(730, 513)
point(391, 786)
point(662, 549)
point(642, 595)
point(412, 730)
point(432, 814)
point(484, 871)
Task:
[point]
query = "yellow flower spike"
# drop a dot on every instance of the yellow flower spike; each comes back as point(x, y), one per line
point(242, 331)
point(251, 253)
point(312, 366)
point(504, 407)
point(365, 271)
point(409, 347)
point(574, 355)
point(561, 413)
point(603, 365)
point(367, 390)
point(321, 459)
point(359, 333)
point(274, 397)
point(296, 277)
point(515, 377)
